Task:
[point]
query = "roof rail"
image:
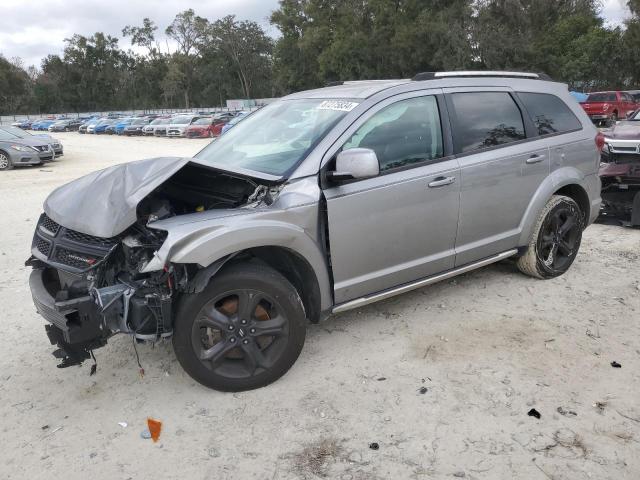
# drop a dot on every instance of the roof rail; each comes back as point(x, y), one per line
point(334, 84)
point(480, 73)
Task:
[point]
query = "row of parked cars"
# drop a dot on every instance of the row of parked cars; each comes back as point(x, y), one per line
point(189, 125)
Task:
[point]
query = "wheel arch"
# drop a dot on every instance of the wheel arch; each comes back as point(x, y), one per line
point(289, 263)
point(564, 181)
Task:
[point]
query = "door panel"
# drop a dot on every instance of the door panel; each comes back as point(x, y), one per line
point(392, 229)
point(401, 225)
point(497, 187)
point(500, 169)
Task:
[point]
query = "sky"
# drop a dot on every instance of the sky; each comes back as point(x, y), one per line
point(33, 29)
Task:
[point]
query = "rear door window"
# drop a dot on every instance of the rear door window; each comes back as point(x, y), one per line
point(485, 120)
point(549, 114)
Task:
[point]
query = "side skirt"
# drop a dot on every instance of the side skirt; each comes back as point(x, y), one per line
point(407, 287)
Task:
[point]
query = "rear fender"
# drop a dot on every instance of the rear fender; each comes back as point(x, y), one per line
point(558, 179)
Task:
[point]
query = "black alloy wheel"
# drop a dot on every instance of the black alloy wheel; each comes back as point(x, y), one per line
point(244, 331)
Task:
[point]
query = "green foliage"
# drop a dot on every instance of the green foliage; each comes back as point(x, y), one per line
point(322, 41)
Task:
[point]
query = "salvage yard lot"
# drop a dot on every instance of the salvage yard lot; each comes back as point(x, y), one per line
point(488, 347)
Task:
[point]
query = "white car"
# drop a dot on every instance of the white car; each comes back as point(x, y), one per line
point(178, 125)
point(150, 129)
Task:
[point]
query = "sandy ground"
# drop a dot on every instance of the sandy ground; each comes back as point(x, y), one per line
point(487, 347)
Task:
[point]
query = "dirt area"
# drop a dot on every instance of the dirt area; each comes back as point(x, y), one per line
point(440, 379)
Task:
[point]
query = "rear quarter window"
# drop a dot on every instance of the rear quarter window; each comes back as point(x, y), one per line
point(549, 113)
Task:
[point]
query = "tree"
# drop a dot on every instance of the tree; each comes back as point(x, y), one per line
point(246, 47)
point(187, 30)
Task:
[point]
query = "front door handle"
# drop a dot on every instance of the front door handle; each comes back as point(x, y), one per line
point(535, 159)
point(442, 181)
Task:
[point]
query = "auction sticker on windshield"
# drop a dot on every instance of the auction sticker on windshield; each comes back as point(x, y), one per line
point(337, 105)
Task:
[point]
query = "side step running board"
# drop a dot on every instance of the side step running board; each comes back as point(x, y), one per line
point(360, 302)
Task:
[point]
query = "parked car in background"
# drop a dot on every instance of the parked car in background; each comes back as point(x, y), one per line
point(136, 126)
point(102, 125)
point(56, 145)
point(179, 124)
point(85, 126)
point(121, 124)
point(24, 124)
point(620, 170)
point(149, 129)
point(200, 128)
point(234, 121)
point(319, 203)
point(42, 124)
point(608, 107)
point(21, 151)
point(65, 126)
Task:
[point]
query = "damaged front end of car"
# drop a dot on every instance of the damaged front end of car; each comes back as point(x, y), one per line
point(91, 277)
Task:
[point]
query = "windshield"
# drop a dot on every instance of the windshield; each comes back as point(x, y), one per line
point(180, 120)
point(5, 136)
point(140, 121)
point(18, 132)
point(602, 97)
point(276, 138)
point(203, 121)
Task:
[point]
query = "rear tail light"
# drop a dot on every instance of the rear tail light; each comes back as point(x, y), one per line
point(600, 141)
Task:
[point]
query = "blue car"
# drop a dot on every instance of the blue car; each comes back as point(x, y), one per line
point(120, 125)
point(102, 125)
point(234, 121)
point(42, 124)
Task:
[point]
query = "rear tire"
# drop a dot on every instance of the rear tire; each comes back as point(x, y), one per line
point(244, 331)
point(555, 241)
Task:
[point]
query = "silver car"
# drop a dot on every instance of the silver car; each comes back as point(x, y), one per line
point(178, 125)
point(56, 144)
point(324, 201)
point(18, 151)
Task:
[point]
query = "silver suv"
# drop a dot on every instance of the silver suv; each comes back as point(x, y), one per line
point(324, 201)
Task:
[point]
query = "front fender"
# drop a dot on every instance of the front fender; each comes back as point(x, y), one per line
point(558, 179)
point(203, 243)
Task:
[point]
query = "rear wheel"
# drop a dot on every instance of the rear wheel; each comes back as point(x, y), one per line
point(244, 331)
point(5, 161)
point(555, 241)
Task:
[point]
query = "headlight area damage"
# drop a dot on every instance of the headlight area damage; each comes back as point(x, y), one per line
point(89, 279)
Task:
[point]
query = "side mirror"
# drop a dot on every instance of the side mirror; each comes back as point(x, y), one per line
point(355, 163)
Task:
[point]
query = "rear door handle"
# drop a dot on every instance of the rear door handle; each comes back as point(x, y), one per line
point(442, 181)
point(535, 159)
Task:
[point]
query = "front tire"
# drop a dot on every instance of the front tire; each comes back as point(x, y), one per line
point(555, 241)
point(5, 161)
point(244, 331)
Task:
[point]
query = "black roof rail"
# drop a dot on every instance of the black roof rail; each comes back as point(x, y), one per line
point(334, 84)
point(479, 73)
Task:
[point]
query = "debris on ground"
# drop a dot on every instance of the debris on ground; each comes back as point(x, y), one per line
point(566, 413)
point(615, 364)
point(123, 424)
point(381, 379)
point(601, 405)
point(423, 390)
point(45, 427)
point(534, 413)
point(146, 434)
point(374, 446)
point(155, 426)
point(459, 474)
point(316, 458)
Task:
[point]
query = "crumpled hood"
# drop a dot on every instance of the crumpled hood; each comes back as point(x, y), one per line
point(104, 203)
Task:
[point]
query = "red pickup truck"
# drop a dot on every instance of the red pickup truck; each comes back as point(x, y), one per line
point(608, 107)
